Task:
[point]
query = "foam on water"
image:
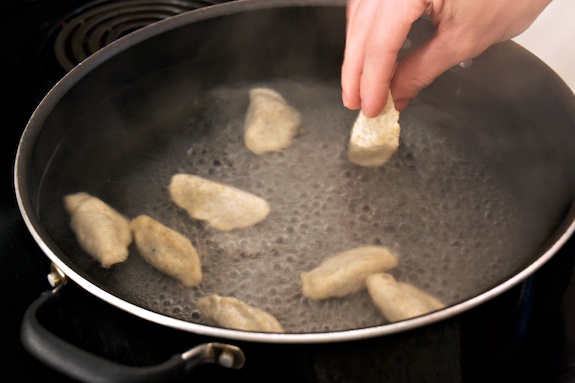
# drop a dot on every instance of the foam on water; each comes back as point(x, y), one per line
point(450, 202)
point(442, 211)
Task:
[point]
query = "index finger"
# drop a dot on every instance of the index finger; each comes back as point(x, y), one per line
point(360, 15)
point(376, 34)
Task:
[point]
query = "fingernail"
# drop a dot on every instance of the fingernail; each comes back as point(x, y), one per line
point(400, 105)
point(344, 99)
point(367, 112)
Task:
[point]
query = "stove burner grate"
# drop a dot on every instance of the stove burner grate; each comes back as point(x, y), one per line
point(99, 23)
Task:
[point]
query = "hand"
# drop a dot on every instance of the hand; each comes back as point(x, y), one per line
point(376, 30)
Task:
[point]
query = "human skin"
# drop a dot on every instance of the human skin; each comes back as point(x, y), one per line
point(377, 29)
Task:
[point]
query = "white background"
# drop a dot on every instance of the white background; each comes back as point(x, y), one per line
point(552, 38)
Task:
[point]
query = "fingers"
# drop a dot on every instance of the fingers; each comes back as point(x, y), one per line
point(418, 69)
point(424, 64)
point(376, 31)
point(360, 15)
point(382, 48)
point(378, 28)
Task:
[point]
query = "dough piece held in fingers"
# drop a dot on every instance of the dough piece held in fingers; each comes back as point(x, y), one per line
point(270, 124)
point(167, 250)
point(233, 313)
point(374, 140)
point(397, 300)
point(345, 273)
point(100, 230)
point(223, 207)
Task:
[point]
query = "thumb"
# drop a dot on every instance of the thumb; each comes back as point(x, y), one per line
point(423, 65)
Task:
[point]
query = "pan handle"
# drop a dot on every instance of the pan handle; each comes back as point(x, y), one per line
point(86, 367)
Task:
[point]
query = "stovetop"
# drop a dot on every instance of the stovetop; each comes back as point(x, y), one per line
point(538, 346)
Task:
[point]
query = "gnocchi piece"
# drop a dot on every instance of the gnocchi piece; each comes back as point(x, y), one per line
point(374, 140)
point(167, 250)
point(101, 231)
point(397, 300)
point(345, 273)
point(233, 313)
point(223, 207)
point(270, 124)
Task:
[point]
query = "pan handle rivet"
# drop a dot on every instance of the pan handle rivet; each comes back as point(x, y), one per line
point(226, 359)
point(56, 276)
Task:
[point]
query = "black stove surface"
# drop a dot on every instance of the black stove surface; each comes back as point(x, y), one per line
point(535, 343)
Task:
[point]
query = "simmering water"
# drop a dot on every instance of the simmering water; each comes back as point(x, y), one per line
point(454, 219)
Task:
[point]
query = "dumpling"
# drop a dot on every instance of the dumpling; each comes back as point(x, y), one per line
point(167, 250)
point(233, 313)
point(374, 140)
point(224, 207)
point(100, 230)
point(270, 124)
point(345, 273)
point(397, 300)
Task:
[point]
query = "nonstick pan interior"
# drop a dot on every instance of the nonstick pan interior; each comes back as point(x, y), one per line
point(471, 198)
